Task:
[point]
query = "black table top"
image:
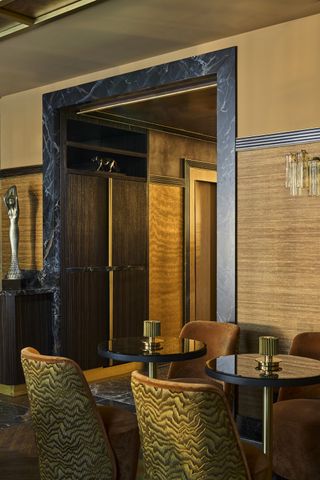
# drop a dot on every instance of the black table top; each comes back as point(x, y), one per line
point(131, 349)
point(241, 370)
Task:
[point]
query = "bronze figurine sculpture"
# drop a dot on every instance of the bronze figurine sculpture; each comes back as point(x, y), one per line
point(106, 164)
point(11, 202)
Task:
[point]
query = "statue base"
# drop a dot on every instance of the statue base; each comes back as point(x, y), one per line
point(15, 284)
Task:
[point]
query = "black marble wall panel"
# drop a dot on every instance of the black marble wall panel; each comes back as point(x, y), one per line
point(220, 65)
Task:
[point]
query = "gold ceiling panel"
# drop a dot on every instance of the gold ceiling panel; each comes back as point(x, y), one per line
point(22, 15)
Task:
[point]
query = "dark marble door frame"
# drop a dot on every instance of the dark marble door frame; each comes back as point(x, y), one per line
point(221, 66)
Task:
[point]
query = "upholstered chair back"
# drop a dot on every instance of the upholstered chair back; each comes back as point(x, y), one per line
point(70, 435)
point(186, 431)
point(220, 338)
point(305, 344)
point(296, 421)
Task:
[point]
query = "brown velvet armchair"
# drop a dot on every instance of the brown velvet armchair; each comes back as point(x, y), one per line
point(188, 433)
point(75, 439)
point(296, 421)
point(220, 338)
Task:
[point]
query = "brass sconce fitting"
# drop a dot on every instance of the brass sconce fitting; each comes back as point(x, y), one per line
point(302, 174)
point(151, 330)
point(268, 348)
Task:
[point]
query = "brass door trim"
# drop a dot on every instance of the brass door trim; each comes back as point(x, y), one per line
point(204, 171)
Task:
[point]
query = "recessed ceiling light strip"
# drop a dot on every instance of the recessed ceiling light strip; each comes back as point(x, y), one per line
point(123, 101)
point(12, 30)
point(63, 10)
point(28, 22)
point(17, 17)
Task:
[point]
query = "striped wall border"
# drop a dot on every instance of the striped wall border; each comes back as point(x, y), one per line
point(278, 139)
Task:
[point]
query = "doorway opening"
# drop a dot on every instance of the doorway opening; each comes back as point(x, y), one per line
point(218, 67)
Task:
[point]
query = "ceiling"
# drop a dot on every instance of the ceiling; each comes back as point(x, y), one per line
point(114, 32)
point(191, 112)
point(18, 15)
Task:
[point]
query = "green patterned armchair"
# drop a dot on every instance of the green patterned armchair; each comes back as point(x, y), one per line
point(75, 439)
point(187, 433)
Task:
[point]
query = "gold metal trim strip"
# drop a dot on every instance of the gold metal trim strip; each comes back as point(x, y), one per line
point(47, 17)
point(110, 259)
point(18, 17)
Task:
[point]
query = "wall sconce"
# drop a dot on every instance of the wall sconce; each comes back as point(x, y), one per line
point(302, 174)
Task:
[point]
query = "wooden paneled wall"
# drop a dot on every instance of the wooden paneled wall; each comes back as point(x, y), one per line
point(166, 224)
point(278, 256)
point(166, 257)
point(167, 150)
point(30, 222)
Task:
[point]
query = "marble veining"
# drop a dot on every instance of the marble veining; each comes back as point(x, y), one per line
point(111, 268)
point(27, 291)
point(213, 66)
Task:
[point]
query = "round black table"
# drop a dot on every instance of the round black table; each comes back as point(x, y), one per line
point(241, 370)
point(131, 349)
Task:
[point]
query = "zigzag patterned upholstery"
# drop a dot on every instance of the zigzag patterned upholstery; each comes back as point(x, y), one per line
point(187, 433)
point(71, 437)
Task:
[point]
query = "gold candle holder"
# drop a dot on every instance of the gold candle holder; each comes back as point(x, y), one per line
point(268, 348)
point(151, 330)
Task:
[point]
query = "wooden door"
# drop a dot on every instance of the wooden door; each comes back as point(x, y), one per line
point(128, 251)
point(201, 264)
point(85, 293)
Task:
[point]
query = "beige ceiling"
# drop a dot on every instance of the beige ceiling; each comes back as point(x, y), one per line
point(115, 32)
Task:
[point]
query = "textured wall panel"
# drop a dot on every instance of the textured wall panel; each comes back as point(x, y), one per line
point(166, 257)
point(166, 151)
point(30, 222)
point(278, 255)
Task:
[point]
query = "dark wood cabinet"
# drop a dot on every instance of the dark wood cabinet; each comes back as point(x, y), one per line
point(128, 238)
point(104, 239)
point(25, 321)
point(86, 232)
point(86, 306)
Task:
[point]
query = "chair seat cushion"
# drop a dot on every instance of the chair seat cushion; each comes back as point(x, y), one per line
point(122, 429)
point(258, 462)
point(296, 444)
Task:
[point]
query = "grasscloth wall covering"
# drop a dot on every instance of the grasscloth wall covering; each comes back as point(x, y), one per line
point(278, 255)
point(30, 222)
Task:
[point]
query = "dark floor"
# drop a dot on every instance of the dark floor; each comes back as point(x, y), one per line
point(18, 455)
point(115, 391)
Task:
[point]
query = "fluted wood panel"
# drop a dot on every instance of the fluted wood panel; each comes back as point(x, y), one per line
point(85, 322)
point(24, 320)
point(129, 215)
point(167, 150)
point(278, 256)
point(86, 238)
point(129, 303)
point(166, 257)
point(30, 222)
